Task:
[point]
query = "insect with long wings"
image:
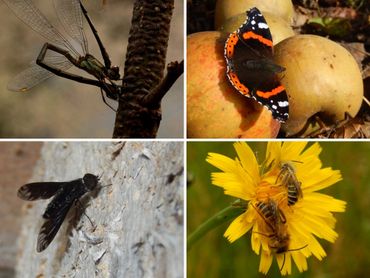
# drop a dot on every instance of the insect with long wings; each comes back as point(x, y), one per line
point(65, 195)
point(59, 54)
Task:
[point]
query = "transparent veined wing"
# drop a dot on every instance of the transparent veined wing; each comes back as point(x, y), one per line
point(34, 74)
point(71, 17)
point(26, 11)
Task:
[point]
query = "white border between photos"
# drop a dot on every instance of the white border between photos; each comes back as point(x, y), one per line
point(184, 140)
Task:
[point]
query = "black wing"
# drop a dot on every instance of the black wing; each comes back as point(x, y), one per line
point(51, 226)
point(38, 190)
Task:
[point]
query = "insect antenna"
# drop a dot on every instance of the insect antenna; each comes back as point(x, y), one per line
point(283, 263)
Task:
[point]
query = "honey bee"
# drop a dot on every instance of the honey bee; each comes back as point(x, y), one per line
point(288, 178)
point(275, 220)
point(279, 239)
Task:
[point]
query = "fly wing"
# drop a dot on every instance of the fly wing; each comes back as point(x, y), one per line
point(26, 11)
point(71, 17)
point(34, 74)
point(51, 226)
point(39, 190)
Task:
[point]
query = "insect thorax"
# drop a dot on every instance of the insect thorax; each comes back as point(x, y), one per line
point(93, 66)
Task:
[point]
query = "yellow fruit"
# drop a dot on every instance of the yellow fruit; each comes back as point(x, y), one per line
point(321, 77)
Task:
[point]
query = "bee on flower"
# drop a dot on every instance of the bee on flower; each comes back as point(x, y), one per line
point(283, 209)
point(288, 179)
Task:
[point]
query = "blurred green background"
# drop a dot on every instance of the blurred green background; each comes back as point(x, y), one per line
point(214, 256)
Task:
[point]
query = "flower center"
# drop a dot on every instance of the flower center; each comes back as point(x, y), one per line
point(270, 187)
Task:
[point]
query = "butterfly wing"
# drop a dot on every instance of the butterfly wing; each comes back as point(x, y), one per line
point(250, 67)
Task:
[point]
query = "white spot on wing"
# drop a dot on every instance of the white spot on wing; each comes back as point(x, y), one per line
point(283, 103)
point(262, 25)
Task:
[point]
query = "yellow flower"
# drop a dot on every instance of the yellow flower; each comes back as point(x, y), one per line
point(284, 211)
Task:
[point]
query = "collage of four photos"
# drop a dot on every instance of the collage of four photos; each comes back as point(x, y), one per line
point(172, 138)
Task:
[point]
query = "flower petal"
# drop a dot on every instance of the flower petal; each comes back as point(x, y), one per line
point(273, 152)
point(313, 150)
point(326, 202)
point(300, 261)
point(239, 226)
point(290, 151)
point(323, 178)
point(248, 160)
point(265, 262)
point(221, 162)
point(284, 259)
point(316, 248)
point(232, 185)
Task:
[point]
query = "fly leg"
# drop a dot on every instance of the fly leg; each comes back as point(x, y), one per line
point(79, 204)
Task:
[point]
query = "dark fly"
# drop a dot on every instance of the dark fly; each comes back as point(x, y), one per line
point(65, 195)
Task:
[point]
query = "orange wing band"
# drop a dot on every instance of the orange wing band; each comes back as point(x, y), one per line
point(237, 84)
point(274, 92)
point(250, 34)
point(231, 42)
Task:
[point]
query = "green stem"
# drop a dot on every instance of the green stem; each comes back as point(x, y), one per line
point(227, 214)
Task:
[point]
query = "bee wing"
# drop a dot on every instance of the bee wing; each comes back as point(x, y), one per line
point(38, 190)
point(51, 226)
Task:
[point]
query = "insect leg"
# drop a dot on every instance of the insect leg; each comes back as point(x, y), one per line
point(103, 51)
point(78, 202)
point(105, 101)
point(59, 72)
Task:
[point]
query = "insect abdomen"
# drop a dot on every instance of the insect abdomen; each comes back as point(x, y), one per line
point(288, 178)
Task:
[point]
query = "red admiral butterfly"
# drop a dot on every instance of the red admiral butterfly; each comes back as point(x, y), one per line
point(250, 68)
